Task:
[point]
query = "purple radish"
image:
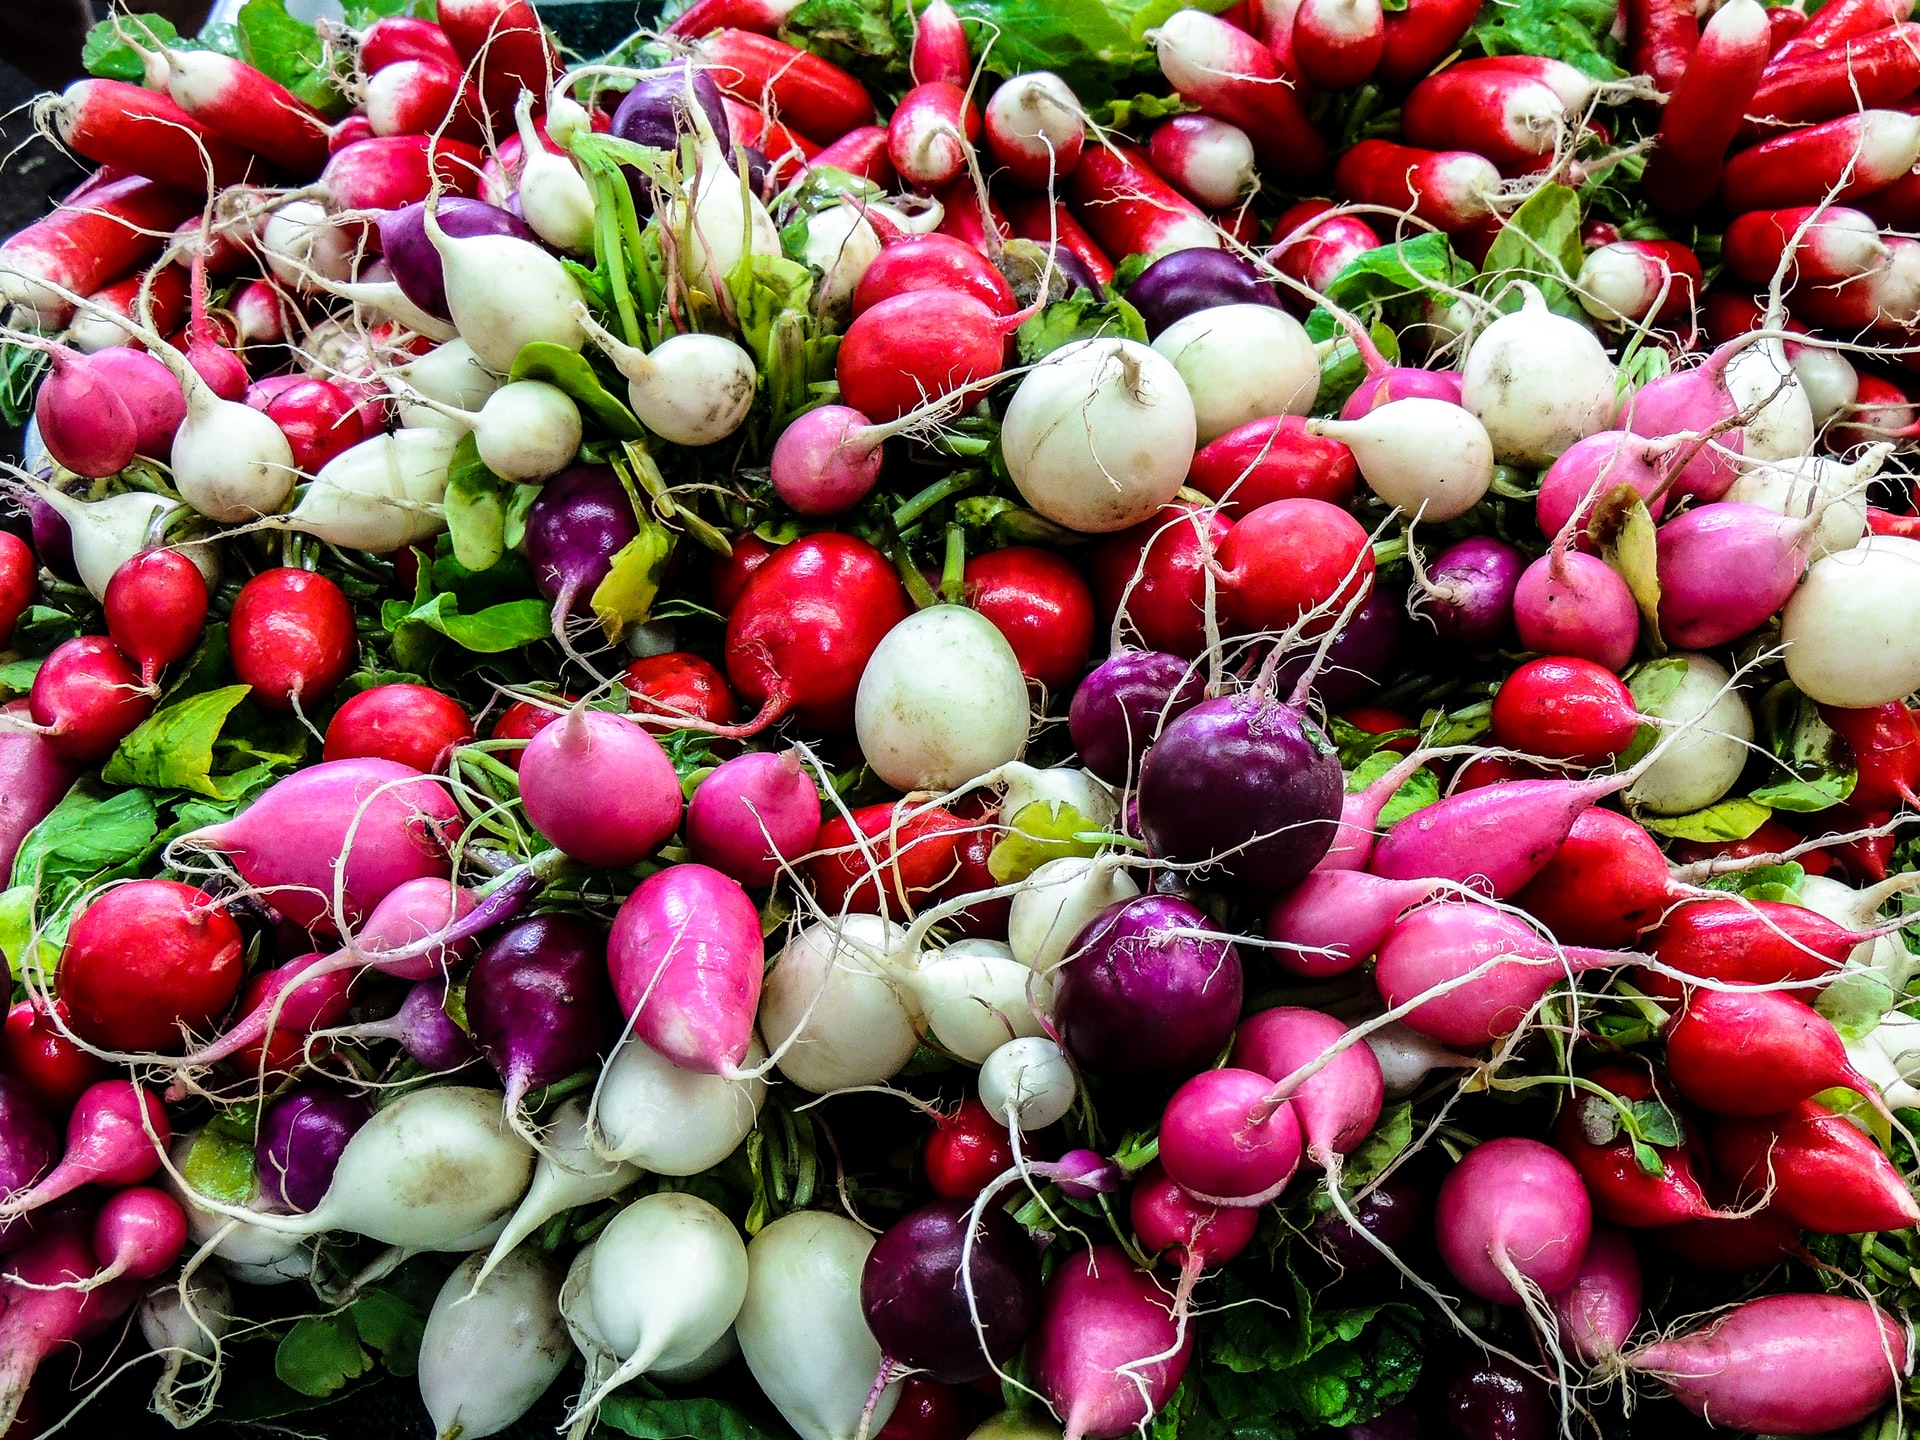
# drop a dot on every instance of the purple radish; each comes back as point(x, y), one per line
point(1338, 1105)
point(1512, 1220)
point(84, 422)
point(289, 843)
point(1119, 709)
point(946, 1304)
point(301, 1136)
point(1100, 1316)
point(52, 538)
point(1389, 1210)
point(655, 113)
point(752, 814)
point(416, 263)
point(1726, 568)
point(539, 1004)
point(600, 788)
point(1141, 994)
point(1598, 1310)
point(1469, 589)
point(45, 1309)
point(138, 1233)
point(1227, 1139)
point(1185, 281)
point(1590, 470)
point(1571, 603)
point(1359, 661)
point(1492, 1398)
point(422, 1027)
point(1244, 785)
point(575, 526)
point(1691, 401)
point(686, 959)
point(108, 1143)
point(1338, 919)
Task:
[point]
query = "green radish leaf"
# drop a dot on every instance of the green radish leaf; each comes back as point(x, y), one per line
point(16, 677)
point(21, 371)
point(1392, 1134)
point(492, 631)
point(112, 49)
point(1855, 1001)
point(1576, 31)
point(1078, 317)
point(1729, 820)
point(663, 1418)
point(321, 1354)
point(572, 373)
point(1143, 109)
point(476, 506)
point(1095, 47)
point(1624, 530)
point(1421, 789)
point(625, 598)
point(93, 831)
point(1769, 882)
point(391, 1325)
point(1042, 831)
point(17, 933)
point(1817, 769)
point(293, 52)
point(1539, 242)
point(172, 749)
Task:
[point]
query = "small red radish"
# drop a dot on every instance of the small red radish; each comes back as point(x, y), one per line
point(292, 637)
point(940, 50)
point(600, 788)
point(1833, 244)
point(1452, 190)
point(1042, 605)
point(156, 609)
point(504, 47)
point(861, 152)
point(1575, 604)
point(966, 1152)
point(1854, 155)
point(919, 346)
point(1129, 208)
point(1194, 1235)
point(1821, 1171)
point(1756, 1052)
point(182, 971)
point(143, 132)
point(1100, 1318)
point(1512, 1218)
point(1035, 129)
point(1589, 1133)
point(138, 1233)
point(903, 854)
point(1227, 1139)
point(1604, 886)
point(1753, 942)
point(1598, 1310)
point(115, 1136)
point(35, 1050)
point(100, 325)
point(1233, 77)
point(319, 419)
point(677, 689)
point(1284, 559)
point(1337, 44)
point(88, 243)
point(813, 95)
point(1313, 250)
point(1157, 574)
point(932, 262)
point(390, 172)
point(1509, 117)
point(1420, 36)
point(1207, 160)
point(1267, 460)
point(87, 698)
point(1708, 94)
point(1835, 24)
point(1565, 709)
point(413, 724)
point(1639, 281)
point(932, 131)
point(401, 37)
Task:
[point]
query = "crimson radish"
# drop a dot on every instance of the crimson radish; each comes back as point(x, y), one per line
point(932, 131)
point(931, 262)
point(1419, 36)
point(1854, 155)
point(115, 1136)
point(1337, 44)
point(292, 638)
point(143, 132)
point(38, 1054)
point(1755, 1052)
point(1624, 1191)
point(46, 1310)
point(1821, 1171)
point(1453, 190)
point(1100, 1319)
point(87, 698)
point(1207, 160)
point(1035, 128)
point(503, 45)
point(816, 96)
point(156, 608)
point(1230, 75)
point(1709, 93)
point(950, 1292)
point(1153, 579)
point(1130, 210)
point(1606, 883)
point(1565, 709)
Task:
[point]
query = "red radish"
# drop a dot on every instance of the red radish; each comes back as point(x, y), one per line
point(703, 17)
point(1869, 71)
point(350, 131)
point(35, 1050)
point(1157, 574)
point(805, 625)
point(1337, 44)
point(966, 1152)
point(1636, 281)
point(319, 419)
point(962, 218)
point(1043, 607)
point(394, 38)
point(1756, 1052)
point(1420, 35)
point(1264, 461)
point(423, 97)
point(133, 129)
point(1576, 90)
point(390, 172)
point(241, 105)
point(1233, 77)
point(1194, 1235)
point(1512, 1220)
point(1820, 1170)
point(932, 262)
point(1313, 250)
point(1589, 1133)
point(730, 575)
point(156, 609)
point(1272, 22)
point(600, 788)
point(278, 1009)
point(1338, 918)
point(1452, 190)
point(88, 243)
point(115, 1136)
point(87, 698)
point(1753, 942)
point(1854, 155)
point(292, 637)
point(84, 422)
point(1511, 118)
point(1784, 1364)
point(676, 688)
point(753, 813)
point(1036, 129)
point(787, 152)
point(919, 346)
point(1881, 411)
point(1604, 886)
point(1599, 1308)
point(1207, 160)
point(183, 972)
point(1101, 1317)
point(907, 850)
point(927, 1411)
point(1835, 24)
point(1130, 210)
point(1662, 36)
point(1228, 1139)
point(1708, 95)
point(503, 47)
point(413, 724)
point(931, 132)
point(1565, 709)
point(815, 96)
point(1734, 1244)
point(1338, 1105)
point(1885, 741)
point(1572, 603)
point(861, 152)
point(1284, 559)
point(1886, 297)
point(47, 1311)
point(1049, 222)
point(522, 720)
point(259, 315)
point(165, 288)
point(138, 1233)
point(940, 49)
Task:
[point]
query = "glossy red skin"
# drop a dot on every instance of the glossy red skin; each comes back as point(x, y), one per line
point(918, 346)
point(1729, 1246)
point(1267, 460)
point(1772, 838)
point(1562, 708)
point(1621, 1191)
point(1166, 605)
point(522, 720)
point(412, 724)
point(1866, 860)
point(1605, 885)
point(18, 571)
point(1754, 1052)
point(1484, 770)
point(285, 1050)
point(988, 919)
point(145, 959)
point(400, 37)
point(88, 695)
point(1039, 601)
point(678, 684)
point(292, 637)
point(967, 1149)
point(729, 576)
point(933, 262)
point(926, 1411)
point(1886, 748)
point(318, 418)
point(1750, 942)
point(1320, 253)
point(807, 623)
point(1825, 1174)
point(1284, 559)
point(33, 1051)
point(156, 609)
point(914, 859)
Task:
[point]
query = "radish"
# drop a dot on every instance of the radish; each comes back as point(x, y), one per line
point(1829, 244)
point(291, 636)
point(941, 700)
point(45, 1310)
point(834, 1008)
point(419, 271)
point(1512, 1221)
point(526, 431)
point(107, 533)
point(93, 239)
point(553, 195)
point(1575, 604)
point(1042, 605)
point(1152, 580)
point(138, 1233)
point(1207, 160)
point(84, 422)
point(493, 1343)
point(933, 130)
point(567, 1176)
point(685, 959)
point(1468, 596)
point(886, 858)
point(1338, 1105)
point(1057, 902)
point(1854, 155)
point(1131, 210)
point(1506, 368)
point(420, 97)
point(579, 521)
point(752, 814)
point(564, 783)
point(1849, 628)
point(1640, 282)
point(143, 132)
point(301, 1137)
point(451, 374)
point(536, 1002)
point(1875, 69)
point(1119, 709)
point(240, 104)
point(1035, 128)
point(1590, 1134)
point(949, 1292)
point(164, 290)
point(977, 996)
point(1107, 1352)
point(1422, 35)
point(156, 608)
point(504, 294)
point(1428, 457)
point(181, 1320)
point(1452, 190)
point(1178, 285)
point(1314, 250)
point(1028, 1083)
point(86, 699)
point(1194, 1235)
point(1231, 76)
point(1333, 920)
point(1767, 551)
point(1337, 44)
point(671, 1121)
point(1513, 119)
point(1599, 1309)
point(1704, 763)
point(115, 1137)
point(1755, 1052)
point(412, 724)
point(1228, 1138)
point(940, 50)
point(27, 1143)
point(920, 346)
point(182, 976)
point(382, 495)
point(822, 100)
point(1709, 91)
point(1753, 942)
point(1587, 470)
point(1786, 1364)
point(692, 389)
point(1140, 994)
point(1407, 1058)
point(34, 777)
point(930, 262)
point(319, 419)
point(801, 1329)
point(1822, 1172)
point(1208, 349)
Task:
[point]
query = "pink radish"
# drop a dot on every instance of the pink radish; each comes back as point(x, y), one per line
point(1338, 918)
point(1100, 1317)
point(1035, 128)
point(46, 1310)
point(686, 959)
point(1231, 76)
point(600, 788)
point(1226, 1139)
point(752, 814)
point(1593, 468)
point(828, 460)
point(1452, 190)
point(1512, 1220)
point(1338, 1105)
point(1575, 604)
point(1337, 44)
point(33, 778)
point(156, 609)
point(84, 422)
point(1598, 1310)
point(138, 1233)
point(1726, 568)
point(153, 397)
point(940, 50)
point(108, 1143)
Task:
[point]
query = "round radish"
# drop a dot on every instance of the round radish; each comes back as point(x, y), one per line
point(1209, 351)
point(600, 788)
point(1538, 382)
point(833, 1007)
point(87, 698)
point(1512, 1219)
point(156, 609)
point(941, 700)
point(412, 724)
point(291, 635)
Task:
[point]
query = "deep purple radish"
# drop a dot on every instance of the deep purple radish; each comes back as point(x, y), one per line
point(27, 1145)
point(1492, 1398)
point(1692, 401)
point(138, 1234)
point(1100, 1317)
point(600, 788)
point(1337, 919)
point(115, 1137)
point(422, 1027)
point(1338, 1105)
point(299, 1143)
point(1227, 1140)
point(1783, 1364)
point(686, 958)
point(1389, 1211)
point(1141, 994)
point(1575, 604)
point(1245, 785)
point(46, 1307)
point(827, 461)
point(1599, 1308)
point(1120, 709)
point(575, 526)
point(1512, 1218)
point(1591, 469)
point(288, 843)
point(151, 393)
point(1178, 284)
point(949, 1307)
point(1174, 1226)
point(1361, 658)
point(83, 421)
point(1468, 595)
point(1430, 951)
point(416, 262)
point(753, 813)
point(52, 538)
point(656, 113)
point(538, 1002)
point(1726, 568)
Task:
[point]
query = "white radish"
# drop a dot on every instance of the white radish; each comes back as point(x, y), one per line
point(941, 700)
point(526, 431)
point(505, 293)
point(836, 992)
point(1028, 1084)
point(184, 1318)
point(1538, 382)
point(1057, 902)
point(1703, 763)
point(451, 375)
point(727, 221)
point(567, 1175)
point(1860, 910)
point(386, 297)
point(492, 1345)
point(1852, 629)
point(977, 997)
point(554, 197)
point(802, 1331)
point(1799, 486)
point(1829, 380)
point(108, 533)
point(668, 1120)
point(381, 495)
point(692, 389)
point(305, 247)
point(1430, 458)
point(1762, 381)
point(840, 244)
point(1064, 785)
point(1241, 363)
point(1099, 434)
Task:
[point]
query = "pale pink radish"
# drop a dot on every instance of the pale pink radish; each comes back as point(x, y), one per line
point(1338, 1105)
point(600, 788)
point(46, 1310)
point(1598, 1310)
point(1337, 919)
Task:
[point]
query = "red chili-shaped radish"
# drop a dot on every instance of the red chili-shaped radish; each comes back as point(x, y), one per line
point(1512, 1217)
point(1630, 281)
point(1854, 155)
point(1821, 1171)
point(703, 17)
point(932, 262)
point(291, 635)
point(115, 1136)
point(242, 105)
point(1565, 709)
point(814, 96)
point(1129, 209)
point(1207, 160)
point(87, 698)
point(1886, 750)
point(1756, 1052)
point(1050, 223)
point(1233, 77)
point(919, 346)
point(963, 219)
point(1753, 942)
point(1869, 71)
point(1453, 190)
point(1337, 44)
point(1662, 36)
point(940, 50)
point(1420, 35)
point(1589, 1131)
point(504, 49)
point(1035, 128)
point(156, 609)
point(143, 132)
point(1511, 118)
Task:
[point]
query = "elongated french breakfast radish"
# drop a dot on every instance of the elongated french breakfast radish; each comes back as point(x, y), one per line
point(931, 133)
point(1035, 128)
point(1854, 155)
point(1337, 44)
point(1704, 110)
point(87, 243)
point(818, 98)
point(1207, 160)
point(1834, 243)
point(1453, 190)
point(503, 44)
point(1511, 118)
point(1420, 35)
point(1836, 24)
point(143, 132)
point(1130, 209)
point(241, 105)
point(1879, 68)
point(1229, 74)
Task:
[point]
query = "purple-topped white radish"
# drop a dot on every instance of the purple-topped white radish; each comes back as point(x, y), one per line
point(504, 294)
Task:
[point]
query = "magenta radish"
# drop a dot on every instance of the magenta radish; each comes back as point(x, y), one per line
point(1101, 1319)
point(1600, 1306)
point(87, 698)
point(1226, 1138)
point(1575, 604)
point(1338, 1105)
point(290, 1003)
point(1591, 469)
point(1207, 160)
point(686, 959)
point(152, 396)
point(46, 1310)
point(115, 1136)
point(568, 785)
point(537, 1003)
point(156, 609)
point(27, 1144)
point(138, 1233)
point(1512, 1220)
point(1431, 458)
point(84, 422)
point(753, 814)
point(33, 776)
point(950, 1291)
point(1337, 44)
point(827, 461)
point(1452, 190)
point(1333, 921)
point(1035, 128)
point(1726, 568)
point(1230, 75)
point(1192, 1234)
point(1695, 400)
point(1468, 595)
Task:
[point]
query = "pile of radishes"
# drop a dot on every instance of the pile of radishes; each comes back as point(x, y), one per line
point(859, 731)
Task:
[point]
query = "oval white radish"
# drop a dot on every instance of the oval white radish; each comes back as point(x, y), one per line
point(1701, 765)
point(1241, 363)
point(505, 294)
point(492, 1345)
point(672, 1121)
point(840, 244)
point(1028, 1083)
point(554, 196)
point(692, 389)
point(303, 245)
point(451, 374)
point(527, 431)
point(977, 996)
point(1852, 629)
point(567, 1175)
point(941, 701)
point(1057, 902)
point(381, 495)
point(1538, 382)
point(1430, 458)
point(1766, 387)
point(108, 533)
point(837, 987)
